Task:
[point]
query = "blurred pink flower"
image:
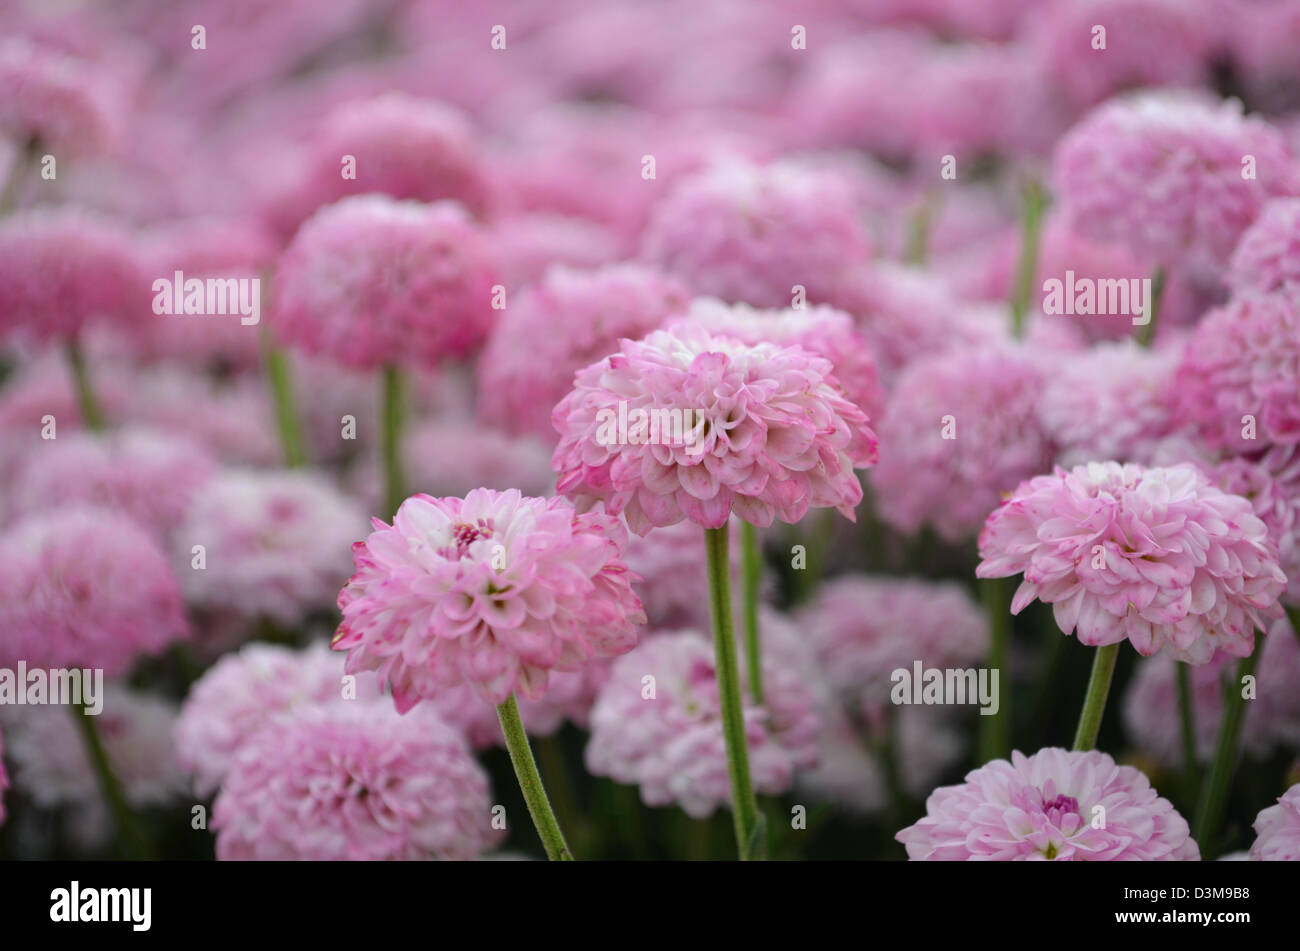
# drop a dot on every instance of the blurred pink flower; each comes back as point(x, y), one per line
point(555, 328)
point(1277, 830)
point(670, 743)
point(1157, 556)
point(1266, 258)
point(85, 587)
point(528, 244)
point(772, 433)
point(370, 281)
point(354, 782)
point(57, 98)
point(1272, 484)
point(495, 591)
point(1041, 807)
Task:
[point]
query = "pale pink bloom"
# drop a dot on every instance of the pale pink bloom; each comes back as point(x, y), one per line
point(1163, 173)
point(275, 544)
point(1266, 256)
point(1110, 402)
point(57, 98)
point(62, 268)
point(1042, 807)
point(749, 233)
point(864, 627)
point(1239, 381)
point(354, 782)
point(771, 433)
point(495, 591)
point(370, 281)
point(1272, 484)
point(147, 474)
point(670, 742)
point(1158, 556)
point(959, 430)
point(820, 329)
point(555, 328)
point(85, 587)
point(1277, 830)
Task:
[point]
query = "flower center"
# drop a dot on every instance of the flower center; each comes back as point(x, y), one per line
point(463, 535)
point(1062, 805)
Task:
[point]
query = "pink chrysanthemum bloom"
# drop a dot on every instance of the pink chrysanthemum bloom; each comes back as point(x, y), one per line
point(147, 474)
point(765, 432)
point(495, 591)
point(85, 587)
point(354, 782)
point(57, 98)
point(1041, 807)
point(404, 147)
point(1267, 257)
point(550, 331)
point(820, 329)
point(1151, 702)
point(1277, 830)
point(671, 745)
point(1272, 484)
point(245, 692)
point(1158, 556)
point(959, 430)
point(749, 233)
point(275, 544)
point(1109, 402)
point(62, 268)
point(1239, 381)
point(370, 281)
point(862, 628)
point(1163, 173)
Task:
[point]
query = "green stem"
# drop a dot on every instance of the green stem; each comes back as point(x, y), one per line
point(1094, 702)
point(884, 749)
point(1147, 331)
point(92, 415)
point(394, 413)
point(1031, 218)
point(129, 833)
point(24, 161)
point(749, 839)
point(1293, 615)
point(995, 740)
point(530, 782)
point(1214, 794)
point(918, 231)
point(1187, 720)
point(752, 573)
point(286, 407)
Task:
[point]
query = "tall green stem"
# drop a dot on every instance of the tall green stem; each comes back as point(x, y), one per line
point(994, 741)
point(286, 406)
point(1031, 217)
point(752, 573)
point(1094, 702)
point(1293, 615)
point(749, 832)
point(530, 782)
point(394, 416)
point(1187, 724)
point(1214, 794)
point(129, 833)
point(92, 415)
point(1146, 333)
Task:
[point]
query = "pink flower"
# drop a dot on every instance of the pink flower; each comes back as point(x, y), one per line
point(246, 692)
point(1265, 257)
point(1277, 830)
point(495, 591)
point(1272, 484)
point(820, 329)
point(58, 98)
point(528, 244)
point(1042, 807)
point(275, 544)
point(353, 782)
point(145, 473)
point(552, 330)
point(85, 587)
point(671, 743)
point(766, 433)
point(62, 268)
point(745, 232)
point(1243, 360)
point(862, 628)
point(1159, 556)
point(370, 281)
point(959, 430)
point(1163, 173)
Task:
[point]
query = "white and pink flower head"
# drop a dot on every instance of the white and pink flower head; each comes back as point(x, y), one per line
point(1042, 807)
point(770, 433)
point(1277, 830)
point(494, 590)
point(1158, 556)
